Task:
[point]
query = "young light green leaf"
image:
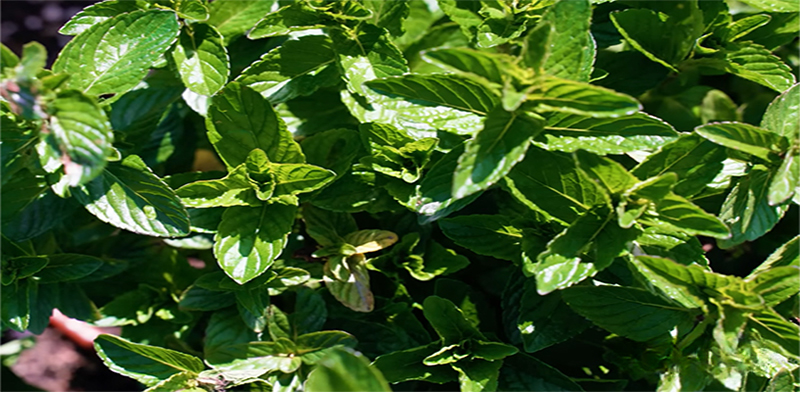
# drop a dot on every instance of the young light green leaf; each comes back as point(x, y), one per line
point(201, 59)
point(639, 131)
point(370, 240)
point(630, 312)
point(234, 18)
point(388, 14)
point(746, 210)
point(130, 196)
point(546, 320)
point(80, 136)
point(489, 235)
point(194, 10)
point(465, 14)
point(572, 48)
point(743, 137)
point(297, 68)
point(783, 114)
point(240, 120)
point(441, 90)
point(775, 284)
point(146, 364)
point(494, 151)
point(681, 213)
point(448, 321)
point(477, 375)
point(344, 370)
point(786, 255)
point(609, 174)
point(249, 239)
point(97, 13)
point(113, 56)
point(555, 94)
point(678, 283)
point(774, 328)
point(300, 178)
point(233, 190)
point(560, 190)
point(742, 27)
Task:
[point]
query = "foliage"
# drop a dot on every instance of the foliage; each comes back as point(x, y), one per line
point(413, 195)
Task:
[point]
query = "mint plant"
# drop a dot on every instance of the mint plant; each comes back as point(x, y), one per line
point(370, 195)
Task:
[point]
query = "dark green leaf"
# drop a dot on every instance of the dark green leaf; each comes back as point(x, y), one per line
point(347, 279)
point(434, 198)
point(523, 373)
point(546, 320)
point(549, 93)
point(746, 210)
point(676, 211)
point(406, 365)
point(560, 190)
point(629, 312)
point(477, 375)
point(388, 14)
point(775, 284)
point(68, 267)
point(448, 321)
point(489, 235)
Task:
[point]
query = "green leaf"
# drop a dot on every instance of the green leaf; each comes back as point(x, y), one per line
point(638, 131)
point(146, 364)
point(310, 312)
point(137, 113)
point(546, 320)
point(113, 56)
point(742, 27)
point(774, 5)
point(678, 246)
point(249, 239)
point(291, 18)
point(676, 211)
point(130, 196)
point(694, 160)
point(440, 90)
point(465, 14)
point(477, 375)
point(783, 114)
point(252, 305)
point(80, 136)
point(97, 13)
point(630, 312)
point(489, 235)
point(448, 321)
point(300, 178)
point(494, 151)
point(312, 346)
point(549, 93)
point(235, 189)
point(609, 174)
point(201, 59)
point(16, 305)
point(561, 190)
point(68, 267)
point(572, 49)
point(474, 63)
point(746, 210)
point(334, 150)
point(180, 382)
point(347, 279)
point(434, 198)
point(666, 38)
point(743, 137)
point(234, 18)
point(786, 179)
point(195, 10)
point(755, 63)
point(370, 240)
point(406, 365)
point(773, 328)
point(681, 284)
point(388, 14)
point(255, 358)
point(786, 255)
point(775, 284)
point(326, 227)
point(297, 68)
point(344, 370)
point(240, 120)
point(523, 373)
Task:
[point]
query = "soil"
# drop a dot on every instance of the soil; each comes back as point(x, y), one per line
point(56, 364)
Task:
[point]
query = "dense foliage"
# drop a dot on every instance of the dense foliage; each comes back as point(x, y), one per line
point(511, 195)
